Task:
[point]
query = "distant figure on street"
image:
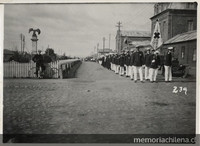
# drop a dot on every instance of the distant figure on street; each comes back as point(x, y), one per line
point(138, 60)
point(38, 59)
point(168, 65)
point(147, 63)
point(154, 65)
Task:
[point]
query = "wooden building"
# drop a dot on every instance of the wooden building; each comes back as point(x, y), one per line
point(185, 47)
point(127, 39)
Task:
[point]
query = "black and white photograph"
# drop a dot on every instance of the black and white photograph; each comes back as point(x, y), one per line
point(100, 72)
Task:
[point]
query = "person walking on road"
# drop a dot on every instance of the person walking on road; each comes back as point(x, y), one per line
point(138, 60)
point(168, 65)
point(147, 64)
point(155, 63)
point(38, 59)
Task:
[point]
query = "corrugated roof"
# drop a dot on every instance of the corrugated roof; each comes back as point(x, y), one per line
point(106, 50)
point(142, 43)
point(133, 44)
point(136, 33)
point(187, 36)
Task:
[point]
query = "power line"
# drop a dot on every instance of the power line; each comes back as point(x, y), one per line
point(139, 15)
point(138, 12)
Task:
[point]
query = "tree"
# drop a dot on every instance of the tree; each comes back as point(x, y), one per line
point(47, 58)
point(50, 52)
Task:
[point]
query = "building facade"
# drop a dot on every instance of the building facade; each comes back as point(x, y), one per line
point(178, 25)
point(185, 47)
point(104, 52)
point(174, 18)
point(125, 40)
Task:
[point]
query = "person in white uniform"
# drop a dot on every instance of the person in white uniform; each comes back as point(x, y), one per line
point(155, 64)
point(168, 65)
point(138, 62)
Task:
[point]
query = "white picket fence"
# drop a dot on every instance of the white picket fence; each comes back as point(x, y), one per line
point(23, 70)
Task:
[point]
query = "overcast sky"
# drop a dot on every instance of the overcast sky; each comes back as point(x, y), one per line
point(73, 28)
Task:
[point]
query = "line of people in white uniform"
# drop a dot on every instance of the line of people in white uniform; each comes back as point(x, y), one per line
point(134, 62)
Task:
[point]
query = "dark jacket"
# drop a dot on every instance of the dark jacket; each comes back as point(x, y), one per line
point(38, 58)
point(127, 59)
point(168, 59)
point(108, 62)
point(114, 59)
point(155, 61)
point(138, 59)
point(147, 61)
point(121, 60)
point(117, 60)
point(131, 59)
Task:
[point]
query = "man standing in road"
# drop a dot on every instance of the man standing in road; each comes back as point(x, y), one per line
point(168, 65)
point(38, 59)
point(117, 64)
point(138, 60)
point(121, 63)
point(147, 64)
point(127, 63)
point(154, 65)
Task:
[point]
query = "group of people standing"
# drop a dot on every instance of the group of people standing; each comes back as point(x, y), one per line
point(132, 62)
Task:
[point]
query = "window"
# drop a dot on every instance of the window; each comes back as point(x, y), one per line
point(155, 10)
point(190, 5)
point(161, 6)
point(190, 25)
point(183, 52)
point(163, 28)
point(194, 55)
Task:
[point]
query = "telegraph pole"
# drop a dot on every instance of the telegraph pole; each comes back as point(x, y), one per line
point(118, 34)
point(97, 50)
point(21, 37)
point(23, 43)
point(109, 41)
point(104, 44)
point(94, 50)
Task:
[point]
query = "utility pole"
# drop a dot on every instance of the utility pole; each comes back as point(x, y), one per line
point(118, 36)
point(97, 50)
point(103, 44)
point(109, 41)
point(94, 49)
point(21, 38)
point(23, 43)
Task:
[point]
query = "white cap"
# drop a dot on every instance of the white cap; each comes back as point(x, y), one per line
point(157, 52)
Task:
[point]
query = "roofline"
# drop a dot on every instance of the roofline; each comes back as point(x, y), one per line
point(180, 42)
point(171, 10)
point(136, 36)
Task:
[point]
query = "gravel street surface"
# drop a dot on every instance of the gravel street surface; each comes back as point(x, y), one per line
point(97, 101)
